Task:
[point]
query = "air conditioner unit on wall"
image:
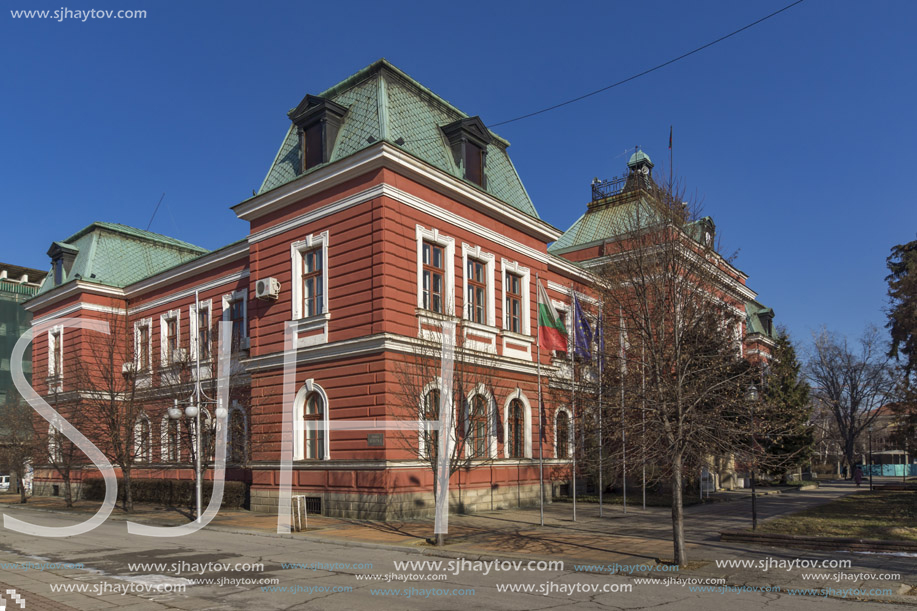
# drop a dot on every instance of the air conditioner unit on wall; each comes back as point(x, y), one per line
point(267, 288)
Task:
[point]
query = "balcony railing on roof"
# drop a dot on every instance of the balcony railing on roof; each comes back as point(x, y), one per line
point(602, 189)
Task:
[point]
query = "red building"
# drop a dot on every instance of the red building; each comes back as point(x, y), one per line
point(385, 212)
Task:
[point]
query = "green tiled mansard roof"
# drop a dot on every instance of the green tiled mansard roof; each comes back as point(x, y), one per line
point(117, 255)
point(383, 103)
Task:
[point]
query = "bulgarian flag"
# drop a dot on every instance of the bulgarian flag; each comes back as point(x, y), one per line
point(551, 330)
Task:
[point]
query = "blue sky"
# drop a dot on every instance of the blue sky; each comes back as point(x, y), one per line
point(798, 134)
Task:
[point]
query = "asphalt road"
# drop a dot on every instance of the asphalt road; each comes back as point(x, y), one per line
point(108, 553)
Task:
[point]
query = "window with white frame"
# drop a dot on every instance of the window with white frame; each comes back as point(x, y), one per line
point(310, 276)
point(143, 345)
point(55, 455)
point(435, 271)
point(310, 423)
point(478, 284)
point(142, 434)
point(56, 357)
point(428, 442)
point(170, 338)
point(516, 301)
point(170, 430)
point(235, 311)
point(480, 438)
point(517, 423)
point(201, 321)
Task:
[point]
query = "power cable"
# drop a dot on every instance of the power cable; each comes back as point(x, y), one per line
point(645, 72)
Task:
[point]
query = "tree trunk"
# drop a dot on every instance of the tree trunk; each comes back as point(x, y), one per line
point(678, 514)
point(128, 499)
point(23, 499)
point(68, 492)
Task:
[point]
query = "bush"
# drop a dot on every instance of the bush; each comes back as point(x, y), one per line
point(169, 492)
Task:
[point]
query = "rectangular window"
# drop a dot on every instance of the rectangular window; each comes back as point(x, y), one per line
point(477, 291)
point(143, 348)
point(433, 277)
point(171, 336)
point(513, 290)
point(237, 318)
point(54, 354)
point(312, 283)
point(474, 163)
point(203, 332)
point(313, 149)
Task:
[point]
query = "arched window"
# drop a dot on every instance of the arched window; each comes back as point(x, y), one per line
point(315, 436)
point(310, 421)
point(478, 427)
point(515, 430)
point(238, 436)
point(430, 437)
point(142, 446)
point(171, 439)
point(562, 435)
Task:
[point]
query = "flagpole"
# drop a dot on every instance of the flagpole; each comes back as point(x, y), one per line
point(599, 359)
point(623, 428)
point(573, 390)
point(643, 414)
point(540, 407)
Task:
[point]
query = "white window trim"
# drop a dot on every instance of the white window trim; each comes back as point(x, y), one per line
point(563, 409)
point(138, 440)
point(526, 423)
point(164, 453)
point(54, 448)
point(228, 300)
point(299, 431)
point(310, 242)
point(165, 358)
point(525, 276)
point(56, 344)
point(436, 384)
point(448, 244)
point(481, 390)
point(488, 259)
point(192, 314)
point(148, 323)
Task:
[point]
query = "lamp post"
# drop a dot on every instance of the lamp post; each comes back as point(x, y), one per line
point(752, 396)
point(871, 467)
point(193, 411)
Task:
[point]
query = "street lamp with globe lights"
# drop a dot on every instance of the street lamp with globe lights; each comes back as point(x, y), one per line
point(752, 396)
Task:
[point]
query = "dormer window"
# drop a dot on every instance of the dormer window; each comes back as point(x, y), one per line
point(318, 121)
point(62, 257)
point(468, 139)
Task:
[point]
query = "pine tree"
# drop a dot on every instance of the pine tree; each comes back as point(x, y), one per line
point(786, 397)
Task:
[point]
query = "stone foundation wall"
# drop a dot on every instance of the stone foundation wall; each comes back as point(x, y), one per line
point(407, 505)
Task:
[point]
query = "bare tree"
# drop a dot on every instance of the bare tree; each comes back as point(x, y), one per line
point(851, 384)
point(62, 454)
point(112, 379)
point(672, 314)
point(477, 425)
point(18, 441)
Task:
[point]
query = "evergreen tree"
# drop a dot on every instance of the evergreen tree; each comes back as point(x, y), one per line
point(786, 399)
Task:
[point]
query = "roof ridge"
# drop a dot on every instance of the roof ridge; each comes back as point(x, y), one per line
point(137, 233)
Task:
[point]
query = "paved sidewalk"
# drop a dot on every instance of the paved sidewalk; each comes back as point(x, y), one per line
point(593, 544)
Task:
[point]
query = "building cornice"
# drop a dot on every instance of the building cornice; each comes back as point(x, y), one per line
point(386, 155)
